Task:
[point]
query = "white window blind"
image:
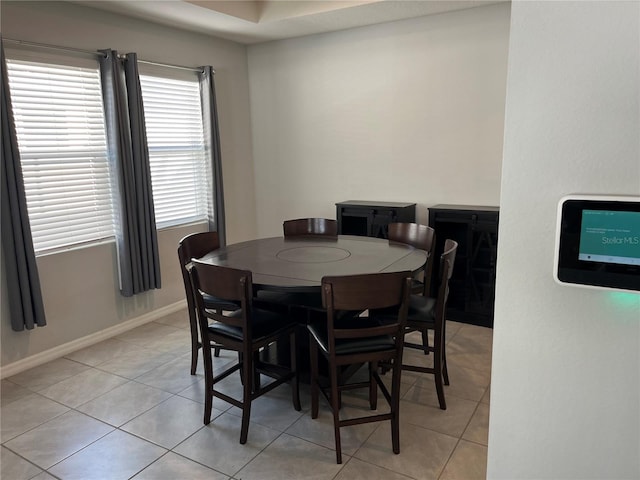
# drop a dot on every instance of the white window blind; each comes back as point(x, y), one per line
point(59, 120)
point(179, 167)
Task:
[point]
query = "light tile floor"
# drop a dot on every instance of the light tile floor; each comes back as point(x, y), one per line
point(128, 408)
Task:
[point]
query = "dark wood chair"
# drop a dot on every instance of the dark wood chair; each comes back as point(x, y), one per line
point(418, 236)
point(428, 313)
point(301, 227)
point(196, 245)
point(310, 226)
point(424, 238)
point(347, 340)
point(246, 330)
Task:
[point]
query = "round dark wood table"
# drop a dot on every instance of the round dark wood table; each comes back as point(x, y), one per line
point(298, 264)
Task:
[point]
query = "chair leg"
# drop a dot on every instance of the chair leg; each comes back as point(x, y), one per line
point(248, 371)
point(373, 386)
point(445, 372)
point(437, 375)
point(425, 341)
point(295, 387)
point(208, 385)
point(313, 359)
point(335, 407)
point(216, 352)
point(395, 405)
point(195, 346)
point(255, 375)
point(194, 357)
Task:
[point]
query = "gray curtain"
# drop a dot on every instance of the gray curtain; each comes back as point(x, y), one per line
point(212, 140)
point(136, 235)
point(23, 284)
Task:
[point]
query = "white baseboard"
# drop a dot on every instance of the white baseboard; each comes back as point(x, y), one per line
point(80, 343)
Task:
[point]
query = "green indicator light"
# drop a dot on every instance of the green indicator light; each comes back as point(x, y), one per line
point(626, 300)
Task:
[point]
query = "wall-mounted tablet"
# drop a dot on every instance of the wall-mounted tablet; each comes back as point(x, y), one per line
point(598, 242)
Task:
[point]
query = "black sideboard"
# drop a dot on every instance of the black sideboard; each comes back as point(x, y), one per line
point(472, 286)
point(371, 219)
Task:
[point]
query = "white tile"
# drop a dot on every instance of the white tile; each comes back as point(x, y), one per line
point(29, 412)
point(170, 422)
point(320, 430)
point(149, 333)
point(136, 362)
point(218, 444)
point(173, 376)
point(101, 352)
point(478, 429)
point(83, 387)
point(358, 470)
point(13, 467)
point(124, 403)
point(174, 467)
point(423, 452)
point(291, 458)
point(434, 444)
point(274, 409)
point(420, 407)
point(117, 456)
point(468, 462)
point(48, 374)
point(10, 392)
point(59, 438)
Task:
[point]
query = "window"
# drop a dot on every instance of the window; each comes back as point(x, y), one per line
point(59, 120)
point(180, 172)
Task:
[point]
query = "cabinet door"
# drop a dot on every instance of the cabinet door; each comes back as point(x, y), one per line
point(482, 268)
point(355, 221)
point(454, 227)
point(472, 286)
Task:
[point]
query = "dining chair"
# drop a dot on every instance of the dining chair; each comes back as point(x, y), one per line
point(246, 330)
point(418, 236)
point(301, 227)
point(424, 238)
point(196, 245)
point(350, 340)
point(310, 226)
point(429, 313)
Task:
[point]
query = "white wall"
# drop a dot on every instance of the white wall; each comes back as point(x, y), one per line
point(565, 389)
point(79, 287)
point(405, 111)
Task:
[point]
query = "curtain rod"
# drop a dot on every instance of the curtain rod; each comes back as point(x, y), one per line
point(94, 54)
point(52, 47)
point(178, 67)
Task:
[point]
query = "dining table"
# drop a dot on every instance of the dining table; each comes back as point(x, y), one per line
point(298, 264)
point(292, 268)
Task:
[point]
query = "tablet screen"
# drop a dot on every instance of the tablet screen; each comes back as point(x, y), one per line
point(598, 242)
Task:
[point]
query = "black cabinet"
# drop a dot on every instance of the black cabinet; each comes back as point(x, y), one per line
point(371, 219)
point(472, 286)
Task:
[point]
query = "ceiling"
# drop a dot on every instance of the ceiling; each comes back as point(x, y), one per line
point(255, 21)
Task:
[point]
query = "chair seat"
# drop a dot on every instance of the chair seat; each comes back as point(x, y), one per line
point(421, 309)
point(213, 303)
point(348, 346)
point(263, 324)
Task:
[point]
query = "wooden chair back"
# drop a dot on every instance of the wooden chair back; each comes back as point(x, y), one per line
point(418, 236)
point(310, 226)
point(371, 292)
point(194, 245)
point(447, 260)
point(224, 283)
